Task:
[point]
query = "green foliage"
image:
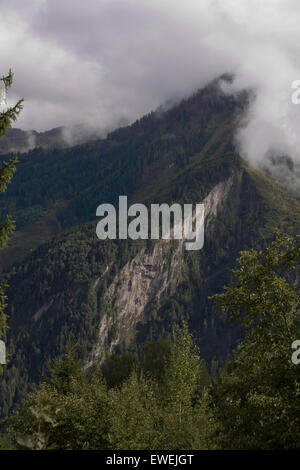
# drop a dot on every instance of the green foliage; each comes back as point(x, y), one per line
point(118, 368)
point(45, 423)
point(167, 400)
point(256, 398)
point(66, 412)
point(65, 370)
point(134, 415)
point(181, 391)
point(153, 358)
point(77, 410)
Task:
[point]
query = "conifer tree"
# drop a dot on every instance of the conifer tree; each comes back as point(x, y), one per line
point(7, 170)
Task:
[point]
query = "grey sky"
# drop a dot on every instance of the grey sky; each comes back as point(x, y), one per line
point(103, 61)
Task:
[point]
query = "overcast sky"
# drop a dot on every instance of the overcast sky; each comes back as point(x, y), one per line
point(104, 61)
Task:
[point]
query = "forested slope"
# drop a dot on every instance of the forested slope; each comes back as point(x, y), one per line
point(61, 276)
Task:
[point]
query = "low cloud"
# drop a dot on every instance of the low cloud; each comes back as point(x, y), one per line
point(102, 63)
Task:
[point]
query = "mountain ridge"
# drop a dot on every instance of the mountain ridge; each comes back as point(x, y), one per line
point(55, 292)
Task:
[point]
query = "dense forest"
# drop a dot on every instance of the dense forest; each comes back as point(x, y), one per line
point(165, 398)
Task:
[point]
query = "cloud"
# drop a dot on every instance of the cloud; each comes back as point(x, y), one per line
point(111, 61)
point(99, 62)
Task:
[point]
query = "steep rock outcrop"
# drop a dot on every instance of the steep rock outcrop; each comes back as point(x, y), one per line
point(146, 279)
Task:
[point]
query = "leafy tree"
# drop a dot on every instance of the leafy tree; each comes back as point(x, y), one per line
point(256, 398)
point(184, 417)
point(6, 172)
point(134, 415)
point(83, 416)
point(45, 423)
point(70, 411)
point(75, 409)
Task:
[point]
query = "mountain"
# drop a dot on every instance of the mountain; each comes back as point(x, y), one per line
point(114, 295)
point(17, 140)
point(20, 141)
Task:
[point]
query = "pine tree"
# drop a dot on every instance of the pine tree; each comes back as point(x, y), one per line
point(6, 173)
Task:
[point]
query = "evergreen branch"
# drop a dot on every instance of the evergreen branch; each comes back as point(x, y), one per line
point(9, 116)
point(6, 230)
point(6, 173)
point(8, 79)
